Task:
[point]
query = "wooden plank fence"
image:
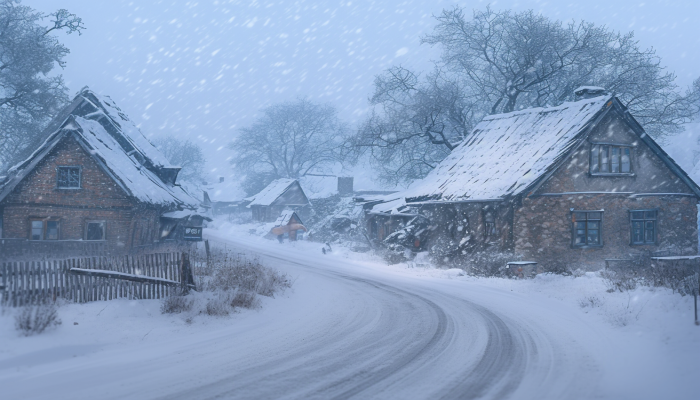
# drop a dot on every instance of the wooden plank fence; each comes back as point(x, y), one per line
point(150, 276)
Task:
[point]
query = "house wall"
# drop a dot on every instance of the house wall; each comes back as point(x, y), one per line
point(543, 228)
point(458, 227)
point(99, 198)
point(543, 224)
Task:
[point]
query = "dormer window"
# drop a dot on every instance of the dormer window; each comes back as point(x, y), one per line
point(68, 178)
point(611, 159)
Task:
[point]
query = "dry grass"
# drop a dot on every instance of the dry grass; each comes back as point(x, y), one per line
point(33, 320)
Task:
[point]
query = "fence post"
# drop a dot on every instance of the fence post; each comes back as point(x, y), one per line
point(186, 279)
point(206, 247)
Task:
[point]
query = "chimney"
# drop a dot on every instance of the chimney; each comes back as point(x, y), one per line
point(345, 186)
point(221, 179)
point(587, 92)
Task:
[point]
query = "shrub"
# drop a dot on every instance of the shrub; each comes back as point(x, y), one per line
point(249, 275)
point(176, 304)
point(33, 320)
point(245, 300)
point(218, 305)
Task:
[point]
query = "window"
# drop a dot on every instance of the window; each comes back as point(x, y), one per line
point(44, 230)
point(490, 224)
point(643, 226)
point(611, 159)
point(68, 178)
point(587, 227)
point(95, 230)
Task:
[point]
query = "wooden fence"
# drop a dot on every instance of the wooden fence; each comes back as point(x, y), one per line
point(150, 276)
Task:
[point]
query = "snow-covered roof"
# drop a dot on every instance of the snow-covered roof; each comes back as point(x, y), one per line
point(118, 147)
point(390, 206)
point(227, 191)
point(319, 187)
point(506, 153)
point(271, 192)
point(286, 217)
point(181, 214)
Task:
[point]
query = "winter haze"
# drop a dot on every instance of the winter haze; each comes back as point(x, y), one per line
point(201, 69)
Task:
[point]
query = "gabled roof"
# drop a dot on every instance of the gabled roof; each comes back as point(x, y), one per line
point(273, 191)
point(286, 217)
point(506, 153)
point(117, 146)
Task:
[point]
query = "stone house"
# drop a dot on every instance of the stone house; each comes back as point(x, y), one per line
point(281, 194)
point(95, 183)
point(579, 184)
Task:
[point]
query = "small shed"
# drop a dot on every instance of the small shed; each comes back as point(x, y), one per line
point(288, 223)
point(281, 194)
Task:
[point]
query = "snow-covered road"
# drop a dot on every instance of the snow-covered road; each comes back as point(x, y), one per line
point(346, 330)
point(364, 334)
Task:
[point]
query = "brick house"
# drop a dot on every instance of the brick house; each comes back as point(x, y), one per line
point(577, 184)
point(95, 183)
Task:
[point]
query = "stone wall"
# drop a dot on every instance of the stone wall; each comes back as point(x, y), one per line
point(543, 228)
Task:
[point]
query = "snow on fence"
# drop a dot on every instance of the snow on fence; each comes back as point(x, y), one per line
point(150, 276)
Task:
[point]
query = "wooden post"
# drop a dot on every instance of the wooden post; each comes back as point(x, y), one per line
point(206, 246)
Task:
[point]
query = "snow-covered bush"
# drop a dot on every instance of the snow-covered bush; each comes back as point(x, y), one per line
point(227, 281)
point(33, 320)
point(176, 304)
point(249, 275)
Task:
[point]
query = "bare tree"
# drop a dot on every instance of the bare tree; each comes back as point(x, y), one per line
point(505, 61)
point(29, 97)
point(288, 140)
point(185, 154)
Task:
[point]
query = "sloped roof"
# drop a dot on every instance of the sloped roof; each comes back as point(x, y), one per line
point(286, 217)
point(506, 153)
point(116, 144)
point(272, 191)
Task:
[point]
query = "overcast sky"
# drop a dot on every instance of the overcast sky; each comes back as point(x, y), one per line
point(201, 69)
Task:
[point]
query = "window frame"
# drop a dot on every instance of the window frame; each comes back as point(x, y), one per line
point(609, 159)
point(644, 221)
point(80, 177)
point(573, 229)
point(490, 231)
point(104, 229)
point(44, 228)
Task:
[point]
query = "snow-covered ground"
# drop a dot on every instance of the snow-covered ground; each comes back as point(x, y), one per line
point(353, 326)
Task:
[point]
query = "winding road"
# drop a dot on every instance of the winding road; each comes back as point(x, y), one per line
point(378, 336)
point(345, 330)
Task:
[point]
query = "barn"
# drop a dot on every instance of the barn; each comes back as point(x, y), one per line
point(95, 183)
point(580, 183)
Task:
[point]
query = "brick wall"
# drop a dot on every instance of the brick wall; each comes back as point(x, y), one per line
point(128, 223)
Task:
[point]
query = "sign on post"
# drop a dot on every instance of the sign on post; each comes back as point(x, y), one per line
point(193, 233)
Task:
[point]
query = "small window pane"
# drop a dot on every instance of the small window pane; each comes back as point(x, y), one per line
point(594, 215)
point(650, 215)
point(649, 236)
point(604, 162)
point(593, 224)
point(615, 159)
point(51, 230)
point(626, 164)
point(637, 214)
point(37, 230)
point(95, 231)
point(637, 232)
point(68, 177)
point(579, 216)
point(592, 237)
point(595, 158)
